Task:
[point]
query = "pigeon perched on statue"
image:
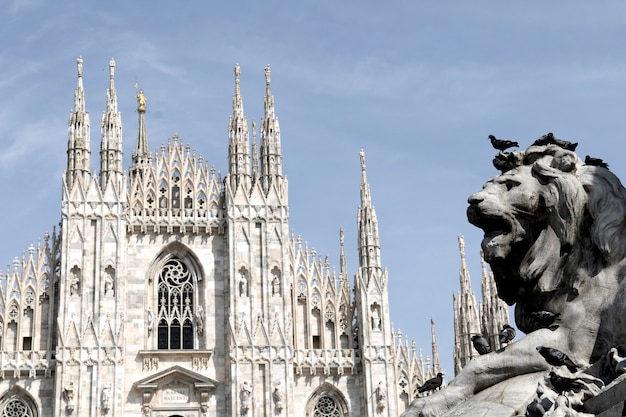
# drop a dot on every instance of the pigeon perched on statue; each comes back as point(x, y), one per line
point(535, 409)
point(432, 384)
point(481, 344)
point(563, 384)
point(506, 161)
point(544, 140)
point(589, 160)
point(549, 139)
point(557, 358)
point(507, 334)
point(502, 144)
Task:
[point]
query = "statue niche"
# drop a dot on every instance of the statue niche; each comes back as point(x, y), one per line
point(243, 282)
point(75, 278)
point(109, 281)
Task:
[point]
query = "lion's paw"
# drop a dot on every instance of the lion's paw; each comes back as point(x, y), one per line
point(425, 407)
point(434, 405)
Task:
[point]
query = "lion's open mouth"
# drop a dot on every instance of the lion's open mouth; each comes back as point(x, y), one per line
point(498, 237)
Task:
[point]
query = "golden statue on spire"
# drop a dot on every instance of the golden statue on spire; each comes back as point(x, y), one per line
point(142, 100)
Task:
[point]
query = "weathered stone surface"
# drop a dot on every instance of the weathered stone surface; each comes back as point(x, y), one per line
point(555, 238)
point(610, 402)
point(509, 398)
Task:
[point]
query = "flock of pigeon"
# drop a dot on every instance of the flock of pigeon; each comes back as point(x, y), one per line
point(507, 334)
point(552, 356)
point(505, 161)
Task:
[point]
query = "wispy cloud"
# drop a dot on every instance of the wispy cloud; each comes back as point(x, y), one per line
point(24, 6)
point(28, 142)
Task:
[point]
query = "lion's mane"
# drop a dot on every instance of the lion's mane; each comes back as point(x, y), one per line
point(606, 205)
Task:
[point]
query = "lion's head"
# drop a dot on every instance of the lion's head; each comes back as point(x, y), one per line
point(549, 221)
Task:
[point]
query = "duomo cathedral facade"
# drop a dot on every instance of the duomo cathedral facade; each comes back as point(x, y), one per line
point(168, 290)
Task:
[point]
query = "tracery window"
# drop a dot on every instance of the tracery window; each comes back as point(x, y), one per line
point(326, 407)
point(16, 407)
point(175, 306)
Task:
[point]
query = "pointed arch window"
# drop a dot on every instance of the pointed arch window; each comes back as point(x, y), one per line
point(175, 306)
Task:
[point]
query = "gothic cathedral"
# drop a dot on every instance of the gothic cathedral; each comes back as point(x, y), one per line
point(171, 291)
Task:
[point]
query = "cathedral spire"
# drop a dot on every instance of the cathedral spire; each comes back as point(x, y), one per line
point(271, 154)
point(255, 153)
point(269, 98)
point(372, 296)
point(464, 277)
point(467, 321)
point(142, 156)
point(493, 310)
point(343, 269)
point(238, 145)
point(78, 146)
point(111, 143)
point(436, 366)
point(369, 243)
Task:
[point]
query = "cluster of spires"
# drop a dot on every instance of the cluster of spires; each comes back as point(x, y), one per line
point(78, 148)
point(471, 319)
point(263, 163)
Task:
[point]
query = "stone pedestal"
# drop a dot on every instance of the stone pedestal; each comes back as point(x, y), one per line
point(610, 402)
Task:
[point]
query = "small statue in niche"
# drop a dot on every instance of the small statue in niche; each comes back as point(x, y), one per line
point(246, 390)
point(68, 392)
point(108, 283)
point(105, 398)
point(278, 397)
point(68, 396)
point(375, 317)
point(200, 320)
point(243, 284)
point(74, 281)
point(381, 395)
point(150, 320)
point(276, 286)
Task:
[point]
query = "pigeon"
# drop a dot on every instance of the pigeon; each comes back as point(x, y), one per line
point(549, 139)
point(432, 383)
point(505, 161)
point(481, 344)
point(596, 162)
point(563, 384)
point(501, 163)
point(507, 334)
point(545, 318)
point(556, 358)
point(502, 144)
point(546, 139)
point(568, 146)
point(535, 409)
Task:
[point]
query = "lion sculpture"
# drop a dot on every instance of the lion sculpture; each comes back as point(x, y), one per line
point(555, 238)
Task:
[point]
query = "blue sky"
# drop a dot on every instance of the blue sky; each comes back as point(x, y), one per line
point(417, 84)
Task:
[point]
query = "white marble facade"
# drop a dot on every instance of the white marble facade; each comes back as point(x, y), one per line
point(169, 290)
